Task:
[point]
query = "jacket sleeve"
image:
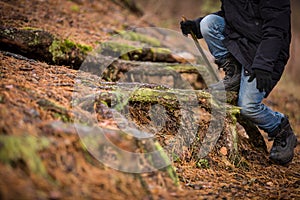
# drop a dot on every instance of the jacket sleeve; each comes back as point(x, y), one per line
point(275, 16)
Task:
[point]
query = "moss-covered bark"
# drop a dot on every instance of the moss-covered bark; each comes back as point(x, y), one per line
point(42, 45)
point(25, 149)
point(117, 49)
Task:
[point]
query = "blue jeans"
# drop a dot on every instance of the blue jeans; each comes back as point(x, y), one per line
point(250, 99)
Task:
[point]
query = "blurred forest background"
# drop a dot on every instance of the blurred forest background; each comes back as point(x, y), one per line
point(168, 14)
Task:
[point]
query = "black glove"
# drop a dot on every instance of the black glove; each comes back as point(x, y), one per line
point(189, 26)
point(263, 80)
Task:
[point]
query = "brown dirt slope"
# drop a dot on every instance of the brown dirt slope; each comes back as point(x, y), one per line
point(49, 162)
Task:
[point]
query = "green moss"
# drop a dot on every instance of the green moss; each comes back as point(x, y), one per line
point(50, 105)
point(60, 49)
point(145, 95)
point(75, 8)
point(35, 41)
point(25, 148)
point(130, 52)
point(62, 117)
point(57, 110)
point(175, 157)
point(169, 169)
point(235, 157)
point(121, 99)
point(85, 48)
point(28, 28)
point(203, 164)
point(57, 50)
point(116, 49)
point(133, 36)
point(234, 111)
point(160, 51)
point(168, 98)
point(7, 32)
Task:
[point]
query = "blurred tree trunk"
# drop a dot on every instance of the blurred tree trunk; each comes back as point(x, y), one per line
point(131, 5)
point(168, 13)
point(209, 6)
point(294, 62)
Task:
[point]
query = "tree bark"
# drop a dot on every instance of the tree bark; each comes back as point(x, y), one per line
point(43, 46)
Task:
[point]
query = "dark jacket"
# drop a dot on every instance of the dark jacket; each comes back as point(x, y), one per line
point(258, 33)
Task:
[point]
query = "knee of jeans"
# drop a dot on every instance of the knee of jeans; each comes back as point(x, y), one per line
point(206, 24)
point(249, 109)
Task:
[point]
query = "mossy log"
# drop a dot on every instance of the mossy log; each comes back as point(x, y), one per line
point(174, 75)
point(184, 76)
point(141, 95)
point(180, 107)
point(123, 47)
point(29, 42)
point(153, 93)
point(43, 46)
point(14, 149)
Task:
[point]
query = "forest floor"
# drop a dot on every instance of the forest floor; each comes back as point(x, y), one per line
point(70, 172)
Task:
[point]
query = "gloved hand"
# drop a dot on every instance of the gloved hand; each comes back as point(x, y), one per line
point(189, 26)
point(263, 80)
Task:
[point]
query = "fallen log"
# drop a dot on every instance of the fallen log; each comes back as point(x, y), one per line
point(174, 75)
point(43, 46)
point(165, 111)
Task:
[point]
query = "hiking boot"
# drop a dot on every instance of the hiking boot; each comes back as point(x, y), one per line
point(282, 151)
point(232, 69)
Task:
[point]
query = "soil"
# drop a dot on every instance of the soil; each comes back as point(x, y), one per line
point(71, 172)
